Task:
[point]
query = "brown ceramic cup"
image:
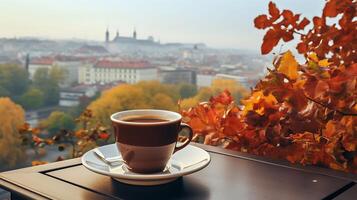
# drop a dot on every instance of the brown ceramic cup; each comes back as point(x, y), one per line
point(146, 144)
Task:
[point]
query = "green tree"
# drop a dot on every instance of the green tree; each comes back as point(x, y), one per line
point(14, 80)
point(11, 119)
point(32, 99)
point(57, 121)
point(58, 74)
point(4, 92)
point(48, 85)
point(187, 90)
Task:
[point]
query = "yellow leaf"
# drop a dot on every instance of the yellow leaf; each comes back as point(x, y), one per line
point(256, 98)
point(313, 57)
point(289, 66)
point(324, 63)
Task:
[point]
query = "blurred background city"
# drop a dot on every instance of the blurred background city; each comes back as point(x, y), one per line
point(58, 58)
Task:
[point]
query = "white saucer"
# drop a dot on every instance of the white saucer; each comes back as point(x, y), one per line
point(184, 162)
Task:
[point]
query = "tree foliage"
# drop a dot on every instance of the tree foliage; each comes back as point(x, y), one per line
point(58, 121)
point(13, 80)
point(187, 90)
point(147, 94)
point(218, 86)
point(305, 113)
point(32, 99)
point(12, 117)
point(47, 81)
point(88, 135)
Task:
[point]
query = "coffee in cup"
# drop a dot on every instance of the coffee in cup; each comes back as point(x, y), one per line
point(147, 138)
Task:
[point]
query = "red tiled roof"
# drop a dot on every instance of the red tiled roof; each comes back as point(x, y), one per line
point(43, 61)
point(123, 64)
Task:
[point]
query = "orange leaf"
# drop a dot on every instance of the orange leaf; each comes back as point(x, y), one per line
point(304, 22)
point(270, 40)
point(273, 11)
point(318, 22)
point(261, 22)
point(330, 9)
point(301, 47)
point(289, 66)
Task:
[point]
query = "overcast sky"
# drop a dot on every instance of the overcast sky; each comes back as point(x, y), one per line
point(218, 23)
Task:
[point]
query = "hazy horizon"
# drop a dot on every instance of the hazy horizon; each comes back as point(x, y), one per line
point(219, 24)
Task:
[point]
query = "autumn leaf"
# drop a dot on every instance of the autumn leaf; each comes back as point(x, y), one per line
point(324, 63)
point(302, 24)
point(330, 9)
point(261, 22)
point(289, 66)
point(270, 40)
point(273, 11)
point(301, 47)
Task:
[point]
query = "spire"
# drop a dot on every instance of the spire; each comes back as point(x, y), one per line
point(117, 36)
point(107, 35)
point(134, 33)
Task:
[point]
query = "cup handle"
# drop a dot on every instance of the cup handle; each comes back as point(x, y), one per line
point(184, 126)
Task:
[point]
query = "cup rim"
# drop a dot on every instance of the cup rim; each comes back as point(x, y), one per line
point(113, 119)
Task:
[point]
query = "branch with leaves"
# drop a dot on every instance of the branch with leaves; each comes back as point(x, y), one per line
point(87, 136)
point(305, 113)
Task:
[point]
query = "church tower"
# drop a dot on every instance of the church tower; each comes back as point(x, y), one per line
point(134, 34)
point(107, 36)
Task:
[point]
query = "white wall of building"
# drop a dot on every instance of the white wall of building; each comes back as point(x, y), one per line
point(90, 74)
point(204, 80)
point(34, 67)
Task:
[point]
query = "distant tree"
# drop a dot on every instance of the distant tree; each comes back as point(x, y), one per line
point(163, 101)
point(151, 88)
point(122, 97)
point(32, 99)
point(4, 92)
point(11, 118)
point(147, 94)
point(187, 90)
point(14, 80)
point(48, 85)
point(204, 94)
point(217, 87)
point(235, 88)
point(58, 74)
point(58, 121)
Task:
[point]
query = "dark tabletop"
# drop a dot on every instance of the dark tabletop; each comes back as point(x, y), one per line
point(230, 175)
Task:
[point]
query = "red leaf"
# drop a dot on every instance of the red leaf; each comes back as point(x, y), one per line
point(103, 136)
point(330, 9)
point(301, 47)
point(261, 22)
point(273, 11)
point(318, 22)
point(289, 16)
point(270, 40)
point(287, 36)
point(302, 24)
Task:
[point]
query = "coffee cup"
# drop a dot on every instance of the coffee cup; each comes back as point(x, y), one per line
point(147, 138)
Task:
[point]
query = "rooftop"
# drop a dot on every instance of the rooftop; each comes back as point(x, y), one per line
point(140, 64)
point(43, 61)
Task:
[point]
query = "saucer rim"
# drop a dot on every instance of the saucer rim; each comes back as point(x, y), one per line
point(149, 177)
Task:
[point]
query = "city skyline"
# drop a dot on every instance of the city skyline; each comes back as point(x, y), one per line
point(224, 24)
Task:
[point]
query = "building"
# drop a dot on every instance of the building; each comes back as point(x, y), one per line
point(70, 97)
point(243, 80)
point(39, 63)
point(175, 76)
point(68, 64)
point(124, 40)
point(107, 71)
